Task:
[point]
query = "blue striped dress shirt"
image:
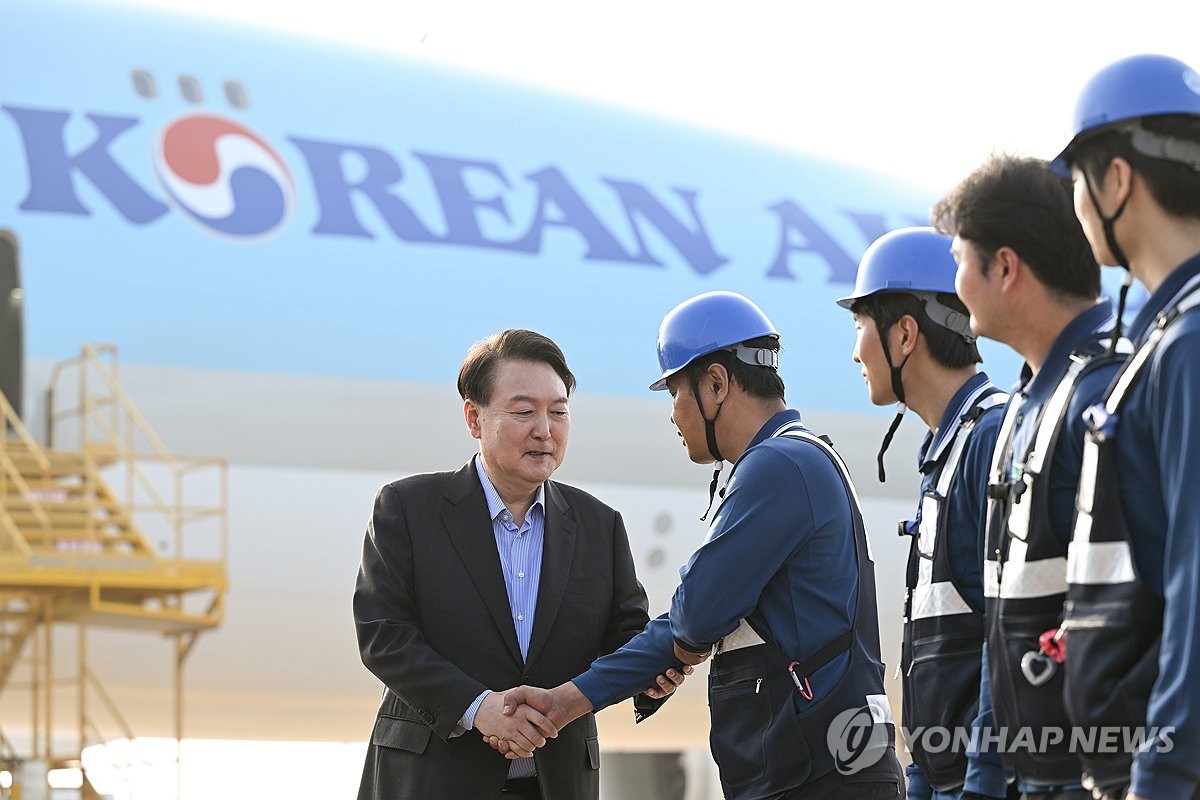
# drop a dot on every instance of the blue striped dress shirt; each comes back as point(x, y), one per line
point(520, 552)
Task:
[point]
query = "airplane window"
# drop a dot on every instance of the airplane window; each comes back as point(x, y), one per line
point(143, 84)
point(189, 87)
point(235, 93)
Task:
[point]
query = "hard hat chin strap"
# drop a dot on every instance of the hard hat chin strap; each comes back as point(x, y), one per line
point(710, 434)
point(1109, 223)
point(1110, 238)
point(1116, 334)
point(898, 390)
point(712, 490)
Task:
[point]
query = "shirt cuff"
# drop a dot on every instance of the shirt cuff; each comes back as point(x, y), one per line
point(697, 649)
point(595, 689)
point(468, 718)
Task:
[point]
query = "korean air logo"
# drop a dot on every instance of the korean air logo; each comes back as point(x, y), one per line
point(224, 177)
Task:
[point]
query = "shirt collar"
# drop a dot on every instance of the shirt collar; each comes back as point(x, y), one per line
point(496, 506)
point(1145, 320)
point(773, 424)
point(961, 403)
point(1094, 320)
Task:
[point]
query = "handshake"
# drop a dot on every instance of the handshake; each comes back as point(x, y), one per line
point(522, 719)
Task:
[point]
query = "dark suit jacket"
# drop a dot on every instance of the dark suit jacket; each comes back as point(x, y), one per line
point(435, 626)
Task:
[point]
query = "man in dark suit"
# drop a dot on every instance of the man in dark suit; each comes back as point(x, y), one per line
point(490, 577)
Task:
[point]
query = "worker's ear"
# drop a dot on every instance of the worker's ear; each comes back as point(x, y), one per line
point(904, 337)
point(716, 380)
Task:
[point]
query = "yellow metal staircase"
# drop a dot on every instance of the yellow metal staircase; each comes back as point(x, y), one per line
point(96, 531)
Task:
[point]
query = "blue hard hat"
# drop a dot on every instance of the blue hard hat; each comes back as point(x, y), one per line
point(915, 261)
point(905, 260)
point(1129, 89)
point(709, 322)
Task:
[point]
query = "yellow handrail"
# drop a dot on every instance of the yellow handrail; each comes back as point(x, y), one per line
point(132, 414)
point(159, 504)
point(15, 540)
point(8, 469)
point(120, 425)
point(98, 688)
point(8, 753)
point(14, 421)
point(13, 474)
point(90, 561)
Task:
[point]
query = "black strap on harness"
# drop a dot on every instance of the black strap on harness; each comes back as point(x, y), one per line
point(823, 656)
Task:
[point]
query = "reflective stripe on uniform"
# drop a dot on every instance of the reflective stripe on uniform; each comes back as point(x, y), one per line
point(1086, 496)
point(932, 598)
point(939, 599)
point(1108, 563)
point(881, 709)
point(1023, 579)
point(1099, 562)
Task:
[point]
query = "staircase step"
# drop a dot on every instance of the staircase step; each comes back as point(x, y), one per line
point(48, 487)
point(53, 504)
point(29, 515)
point(37, 535)
point(74, 520)
point(31, 468)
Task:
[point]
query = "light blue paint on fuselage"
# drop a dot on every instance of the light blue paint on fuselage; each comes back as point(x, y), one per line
point(377, 306)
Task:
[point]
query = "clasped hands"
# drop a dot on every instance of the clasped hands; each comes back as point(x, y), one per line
point(529, 715)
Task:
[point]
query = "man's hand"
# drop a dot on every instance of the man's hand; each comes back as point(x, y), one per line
point(560, 705)
point(688, 658)
point(668, 682)
point(524, 729)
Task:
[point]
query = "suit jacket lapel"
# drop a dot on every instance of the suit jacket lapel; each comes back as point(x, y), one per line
point(465, 515)
point(558, 550)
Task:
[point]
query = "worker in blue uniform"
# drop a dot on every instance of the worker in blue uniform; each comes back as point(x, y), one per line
point(781, 592)
point(916, 348)
point(1027, 275)
point(1134, 564)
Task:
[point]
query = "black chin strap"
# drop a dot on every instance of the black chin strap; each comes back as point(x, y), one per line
point(887, 439)
point(898, 390)
point(710, 433)
point(1110, 238)
point(1116, 334)
point(712, 490)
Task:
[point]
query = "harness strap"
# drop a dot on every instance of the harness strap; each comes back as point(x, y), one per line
point(823, 656)
point(1187, 299)
point(965, 425)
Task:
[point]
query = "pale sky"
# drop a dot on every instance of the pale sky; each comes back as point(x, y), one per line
point(924, 90)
